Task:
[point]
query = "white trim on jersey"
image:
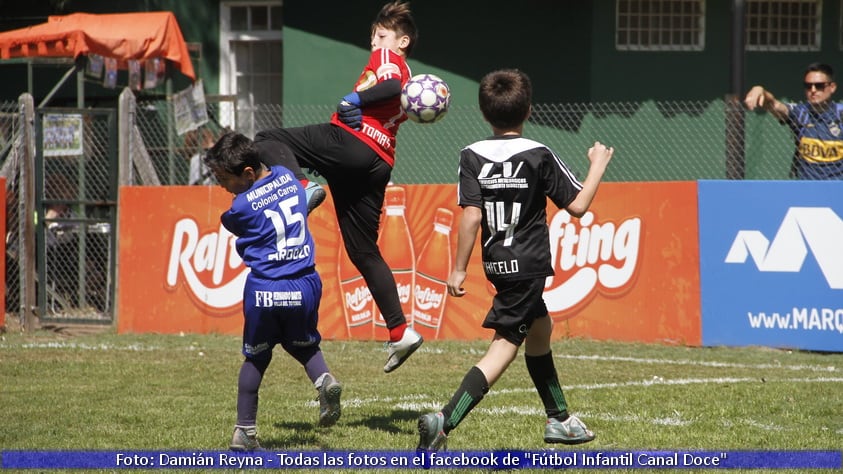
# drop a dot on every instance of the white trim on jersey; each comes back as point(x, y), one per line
point(501, 150)
point(566, 170)
point(387, 69)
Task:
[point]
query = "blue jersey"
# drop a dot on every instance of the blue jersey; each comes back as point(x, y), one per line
point(270, 222)
point(819, 141)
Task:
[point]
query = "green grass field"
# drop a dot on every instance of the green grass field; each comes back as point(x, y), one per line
point(166, 392)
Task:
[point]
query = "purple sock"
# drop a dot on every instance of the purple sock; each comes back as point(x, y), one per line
point(248, 384)
point(315, 366)
point(312, 360)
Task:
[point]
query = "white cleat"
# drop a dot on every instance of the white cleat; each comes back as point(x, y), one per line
point(401, 350)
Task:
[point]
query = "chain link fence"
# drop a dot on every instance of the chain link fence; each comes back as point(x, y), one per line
point(176, 159)
point(654, 141)
point(77, 183)
point(60, 167)
point(10, 143)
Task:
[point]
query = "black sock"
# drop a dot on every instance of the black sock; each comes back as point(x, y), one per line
point(472, 389)
point(543, 373)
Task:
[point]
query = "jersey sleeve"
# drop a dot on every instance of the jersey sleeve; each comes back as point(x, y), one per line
point(468, 188)
point(560, 183)
point(230, 222)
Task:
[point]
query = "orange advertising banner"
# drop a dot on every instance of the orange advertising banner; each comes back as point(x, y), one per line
point(628, 270)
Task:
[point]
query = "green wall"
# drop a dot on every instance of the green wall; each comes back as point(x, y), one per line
point(706, 74)
point(463, 40)
point(325, 81)
point(567, 47)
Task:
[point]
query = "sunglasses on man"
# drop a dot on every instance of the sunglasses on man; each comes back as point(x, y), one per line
point(820, 86)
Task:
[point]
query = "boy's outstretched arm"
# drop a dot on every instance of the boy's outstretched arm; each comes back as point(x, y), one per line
point(599, 155)
point(469, 224)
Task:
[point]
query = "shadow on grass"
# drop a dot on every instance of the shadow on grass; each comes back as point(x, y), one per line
point(389, 423)
point(295, 433)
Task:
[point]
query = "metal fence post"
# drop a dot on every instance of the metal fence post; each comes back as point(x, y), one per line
point(125, 125)
point(26, 224)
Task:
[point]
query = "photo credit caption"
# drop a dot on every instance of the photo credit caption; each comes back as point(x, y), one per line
point(396, 460)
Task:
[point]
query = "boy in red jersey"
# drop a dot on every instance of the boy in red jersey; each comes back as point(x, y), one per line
point(355, 152)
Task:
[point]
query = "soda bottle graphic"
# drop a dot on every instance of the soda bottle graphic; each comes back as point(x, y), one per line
point(432, 269)
point(356, 298)
point(396, 246)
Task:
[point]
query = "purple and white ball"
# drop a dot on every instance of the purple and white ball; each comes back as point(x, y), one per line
point(425, 98)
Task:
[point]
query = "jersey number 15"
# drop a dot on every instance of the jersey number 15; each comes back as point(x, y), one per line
point(283, 220)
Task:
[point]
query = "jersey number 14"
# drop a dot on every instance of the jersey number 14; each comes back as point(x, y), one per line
point(496, 219)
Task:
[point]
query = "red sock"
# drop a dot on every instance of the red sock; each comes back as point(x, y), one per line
point(396, 333)
point(304, 182)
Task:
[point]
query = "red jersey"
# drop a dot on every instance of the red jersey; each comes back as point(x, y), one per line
point(381, 119)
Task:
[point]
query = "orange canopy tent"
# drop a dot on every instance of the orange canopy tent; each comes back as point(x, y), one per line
point(124, 36)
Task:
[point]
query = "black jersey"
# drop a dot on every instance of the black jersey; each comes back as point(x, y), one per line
point(509, 178)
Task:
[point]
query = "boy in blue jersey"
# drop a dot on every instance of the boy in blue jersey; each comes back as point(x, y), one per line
point(282, 292)
point(505, 181)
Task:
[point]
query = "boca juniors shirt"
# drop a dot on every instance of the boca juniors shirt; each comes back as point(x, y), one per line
point(270, 223)
point(819, 140)
point(510, 178)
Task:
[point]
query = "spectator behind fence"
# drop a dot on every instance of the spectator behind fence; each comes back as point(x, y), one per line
point(200, 141)
point(817, 125)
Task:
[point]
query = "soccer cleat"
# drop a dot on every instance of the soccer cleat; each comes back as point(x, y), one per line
point(570, 431)
point(401, 350)
point(315, 195)
point(329, 401)
point(245, 439)
point(432, 435)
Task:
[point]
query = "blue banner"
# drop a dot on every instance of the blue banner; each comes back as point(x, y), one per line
point(550, 459)
point(771, 263)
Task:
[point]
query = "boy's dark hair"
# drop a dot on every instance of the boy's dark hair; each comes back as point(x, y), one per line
point(823, 68)
point(505, 97)
point(233, 153)
point(396, 16)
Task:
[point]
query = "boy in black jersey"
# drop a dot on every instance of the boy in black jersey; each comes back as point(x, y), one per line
point(504, 184)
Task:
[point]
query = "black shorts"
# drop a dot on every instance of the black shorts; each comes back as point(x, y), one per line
point(515, 306)
point(356, 174)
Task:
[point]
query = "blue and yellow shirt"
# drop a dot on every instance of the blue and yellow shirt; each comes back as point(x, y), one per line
point(819, 141)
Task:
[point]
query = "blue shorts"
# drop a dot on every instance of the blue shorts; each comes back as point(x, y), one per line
point(282, 312)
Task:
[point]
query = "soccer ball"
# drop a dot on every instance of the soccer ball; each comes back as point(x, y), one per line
point(425, 98)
